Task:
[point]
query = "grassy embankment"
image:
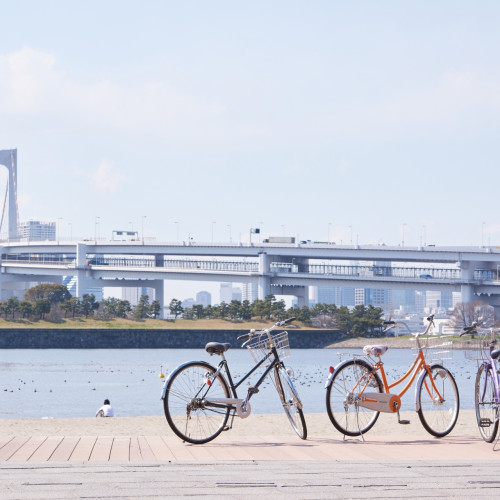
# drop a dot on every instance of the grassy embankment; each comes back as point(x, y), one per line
point(147, 324)
point(182, 324)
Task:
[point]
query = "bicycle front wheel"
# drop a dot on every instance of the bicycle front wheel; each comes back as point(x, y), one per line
point(344, 394)
point(486, 404)
point(291, 401)
point(187, 410)
point(438, 401)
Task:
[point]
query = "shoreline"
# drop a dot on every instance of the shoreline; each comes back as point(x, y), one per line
point(318, 425)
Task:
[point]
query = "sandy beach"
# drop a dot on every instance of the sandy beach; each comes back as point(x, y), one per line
point(318, 425)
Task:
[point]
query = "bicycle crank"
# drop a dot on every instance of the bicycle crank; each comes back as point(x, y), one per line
point(380, 401)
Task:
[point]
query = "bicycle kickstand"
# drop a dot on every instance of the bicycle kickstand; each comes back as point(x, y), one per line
point(403, 422)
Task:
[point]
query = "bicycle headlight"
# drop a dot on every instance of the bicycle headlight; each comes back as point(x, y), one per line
point(290, 372)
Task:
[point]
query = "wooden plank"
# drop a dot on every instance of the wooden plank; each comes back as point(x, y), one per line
point(159, 448)
point(12, 446)
point(45, 450)
point(146, 452)
point(24, 453)
point(120, 450)
point(102, 449)
point(83, 449)
point(135, 450)
point(65, 449)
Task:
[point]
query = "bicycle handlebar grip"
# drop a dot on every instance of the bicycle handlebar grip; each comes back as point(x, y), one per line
point(243, 337)
point(289, 320)
point(389, 323)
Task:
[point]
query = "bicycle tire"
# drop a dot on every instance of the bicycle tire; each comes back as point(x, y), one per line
point(185, 407)
point(486, 404)
point(438, 417)
point(290, 401)
point(341, 395)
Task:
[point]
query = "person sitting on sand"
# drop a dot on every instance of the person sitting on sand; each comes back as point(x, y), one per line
point(105, 410)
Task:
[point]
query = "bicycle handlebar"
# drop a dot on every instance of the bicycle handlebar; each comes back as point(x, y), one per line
point(251, 333)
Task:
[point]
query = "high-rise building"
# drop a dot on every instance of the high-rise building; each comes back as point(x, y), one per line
point(35, 230)
point(249, 291)
point(204, 298)
point(133, 294)
point(226, 292)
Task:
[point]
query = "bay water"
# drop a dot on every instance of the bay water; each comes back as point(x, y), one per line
point(64, 383)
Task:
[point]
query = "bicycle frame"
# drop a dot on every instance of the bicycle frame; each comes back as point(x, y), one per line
point(241, 406)
point(416, 368)
point(491, 366)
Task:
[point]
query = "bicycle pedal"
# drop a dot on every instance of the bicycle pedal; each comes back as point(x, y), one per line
point(485, 422)
point(253, 390)
point(403, 422)
point(226, 428)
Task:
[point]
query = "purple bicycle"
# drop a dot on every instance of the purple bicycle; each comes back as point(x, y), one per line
point(483, 348)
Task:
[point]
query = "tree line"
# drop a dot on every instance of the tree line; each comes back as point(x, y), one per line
point(361, 320)
point(53, 301)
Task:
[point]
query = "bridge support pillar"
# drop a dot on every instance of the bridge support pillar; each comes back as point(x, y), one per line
point(467, 291)
point(158, 287)
point(264, 278)
point(82, 270)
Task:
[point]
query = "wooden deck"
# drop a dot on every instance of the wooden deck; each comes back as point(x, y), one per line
point(224, 448)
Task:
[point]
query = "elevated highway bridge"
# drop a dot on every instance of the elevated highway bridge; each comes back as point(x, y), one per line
point(282, 269)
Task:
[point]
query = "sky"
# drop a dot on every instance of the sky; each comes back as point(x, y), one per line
point(377, 122)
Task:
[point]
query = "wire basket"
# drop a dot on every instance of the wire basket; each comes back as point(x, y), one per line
point(436, 347)
point(476, 348)
point(261, 346)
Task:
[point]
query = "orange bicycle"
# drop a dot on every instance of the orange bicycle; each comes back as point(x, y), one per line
point(357, 391)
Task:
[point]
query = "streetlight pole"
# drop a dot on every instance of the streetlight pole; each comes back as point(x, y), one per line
point(95, 228)
point(482, 234)
point(350, 231)
point(142, 228)
point(177, 228)
point(403, 241)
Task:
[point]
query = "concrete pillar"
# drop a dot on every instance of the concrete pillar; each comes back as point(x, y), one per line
point(467, 274)
point(82, 270)
point(265, 276)
point(158, 286)
point(302, 295)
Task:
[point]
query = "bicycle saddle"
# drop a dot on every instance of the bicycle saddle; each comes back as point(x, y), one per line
point(375, 350)
point(217, 347)
point(495, 353)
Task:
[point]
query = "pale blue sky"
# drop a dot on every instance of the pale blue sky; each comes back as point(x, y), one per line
point(300, 116)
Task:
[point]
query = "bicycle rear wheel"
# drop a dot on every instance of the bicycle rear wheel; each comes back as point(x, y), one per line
point(349, 382)
point(185, 405)
point(486, 404)
point(438, 410)
point(291, 401)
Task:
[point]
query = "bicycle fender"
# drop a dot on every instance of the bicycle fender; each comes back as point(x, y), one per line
point(421, 380)
point(180, 367)
point(329, 380)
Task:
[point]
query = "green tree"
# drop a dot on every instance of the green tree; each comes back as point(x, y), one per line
point(26, 309)
point(71, 306)
point(53, 292)
point(123, 307)
point(246, 310)
point(198, 311)
point(175, 308)
point(41, 307)
point(234, 309)
point(155, 309)
point(88, 304)
point(12, 307)
point(141, 310)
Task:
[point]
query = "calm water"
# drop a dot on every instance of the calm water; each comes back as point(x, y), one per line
point(74, 383)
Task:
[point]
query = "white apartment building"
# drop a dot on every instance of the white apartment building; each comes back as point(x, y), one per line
point(36, 230)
